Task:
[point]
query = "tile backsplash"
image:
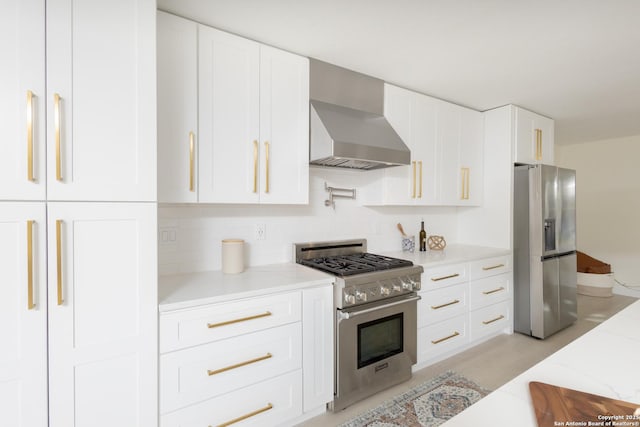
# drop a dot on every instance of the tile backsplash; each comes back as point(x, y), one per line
point(190, 235)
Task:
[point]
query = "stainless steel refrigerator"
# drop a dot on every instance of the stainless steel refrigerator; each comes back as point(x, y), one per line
point(544, 228)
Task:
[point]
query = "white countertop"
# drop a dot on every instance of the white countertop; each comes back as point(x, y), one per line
point(193, 289)
point(452, 254)
point(604, 361)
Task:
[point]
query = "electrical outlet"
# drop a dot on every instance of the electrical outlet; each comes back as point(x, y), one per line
point(261, 231)
point(167, 236)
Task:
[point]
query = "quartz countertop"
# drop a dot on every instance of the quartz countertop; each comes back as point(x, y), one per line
point(604, 361)
point(452, 254)
point(193, 289)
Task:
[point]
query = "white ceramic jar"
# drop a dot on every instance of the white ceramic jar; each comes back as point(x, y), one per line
point(232, 256)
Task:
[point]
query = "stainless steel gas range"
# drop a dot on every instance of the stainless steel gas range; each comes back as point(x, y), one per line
point(375, 302)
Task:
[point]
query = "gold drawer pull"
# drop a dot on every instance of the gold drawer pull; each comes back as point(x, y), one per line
point(445, 277)
point(493, 267)
point(244, 417)
point(244, 319)
point(453, 335)
point(436, 307)
point(239, 365)
point(486, 322)
point(493, 291)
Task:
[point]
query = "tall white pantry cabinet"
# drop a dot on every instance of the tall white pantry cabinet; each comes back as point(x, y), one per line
point(78, 213)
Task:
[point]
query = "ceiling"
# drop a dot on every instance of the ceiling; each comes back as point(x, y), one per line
point(576, 61)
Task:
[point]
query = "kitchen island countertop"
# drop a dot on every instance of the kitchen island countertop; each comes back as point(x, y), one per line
point(604, 361)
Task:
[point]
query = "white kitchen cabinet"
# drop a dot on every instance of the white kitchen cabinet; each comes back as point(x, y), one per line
point(460, 138)
point(102, 314)
point(101, 136)
point(446, 143)
point(253, 114)
point(23, 314)
point(462, 305)
point(534, 138)
point(23, 100)
point(413, 117)
point(178, 136)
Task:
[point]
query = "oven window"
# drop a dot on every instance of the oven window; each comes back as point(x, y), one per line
point(379, 339)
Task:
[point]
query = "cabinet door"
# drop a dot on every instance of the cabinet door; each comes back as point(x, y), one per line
point(284, 127)
point(317, 341)
point(102, 314)
point(228, 111)
point(534, 138)
point(177, 109)
point(425, 137)
point(399, 181)
point(471, 161)
point(449, 172)
point(23, 315)
point(22, 100)
point(101, 100)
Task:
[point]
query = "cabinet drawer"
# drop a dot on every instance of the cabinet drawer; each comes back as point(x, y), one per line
point(441, 337)
point(438, 277)
point(489, 267)
point(442, 304)
point(202, 372)
point(185, 328)
point(268, 403)
point(491, 319)
point(490, 290)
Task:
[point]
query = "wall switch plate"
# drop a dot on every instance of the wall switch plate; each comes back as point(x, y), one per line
point(167, 236)
point(261, 231)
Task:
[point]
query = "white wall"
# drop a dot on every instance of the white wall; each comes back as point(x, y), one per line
point(608, 203)
point(200, 229)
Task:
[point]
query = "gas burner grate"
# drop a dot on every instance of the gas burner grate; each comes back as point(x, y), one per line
point(347, 265)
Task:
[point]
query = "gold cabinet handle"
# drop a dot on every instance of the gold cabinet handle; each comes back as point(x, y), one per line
point(420, 179)
point(266, 162)
point(413, 191)
point(244, 417)
point(493, 267)
point(538, 144)
point(56, 126)
point(30, 304)
point(192, 161)
point(486, 322)
point(255, 166)
point(211, 372)
point(30, 176)
point(436, 279)
point(437, 307)
point(59, 258)
point(243, 319)
point(493, 291)
point(464, 187)
point(453, 335)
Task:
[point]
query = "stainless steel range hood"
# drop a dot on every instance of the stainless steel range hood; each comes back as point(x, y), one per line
point(348, 128)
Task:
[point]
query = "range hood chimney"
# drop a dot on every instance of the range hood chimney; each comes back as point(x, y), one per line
point(348, 128)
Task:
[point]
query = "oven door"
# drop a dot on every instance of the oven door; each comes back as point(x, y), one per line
point(375, 347)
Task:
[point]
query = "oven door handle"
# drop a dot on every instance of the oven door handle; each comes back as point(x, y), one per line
point(343, 315)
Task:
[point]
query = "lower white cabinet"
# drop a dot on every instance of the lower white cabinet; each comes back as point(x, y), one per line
point(463, 304)
point(97, 332)
point(265, 360)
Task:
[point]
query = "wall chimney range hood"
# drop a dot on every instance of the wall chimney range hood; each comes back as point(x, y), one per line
point(348, 129)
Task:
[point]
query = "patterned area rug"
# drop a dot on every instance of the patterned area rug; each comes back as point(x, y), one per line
point(429, 404)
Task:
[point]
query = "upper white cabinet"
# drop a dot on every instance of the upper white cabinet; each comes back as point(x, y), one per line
point(101, 100)
point(23, 100)
point(446, 143)
point(178, 135)
point(534, 138)
point(250, 104)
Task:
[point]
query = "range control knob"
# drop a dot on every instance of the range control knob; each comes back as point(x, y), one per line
point(384, 290)
point(407, 286)
point(349, 298)
point(397, 288)
point(361, 296)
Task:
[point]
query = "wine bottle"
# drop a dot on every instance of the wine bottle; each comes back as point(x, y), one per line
point(423, 237)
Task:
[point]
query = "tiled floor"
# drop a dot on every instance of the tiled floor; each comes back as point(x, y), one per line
point(496, 361)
